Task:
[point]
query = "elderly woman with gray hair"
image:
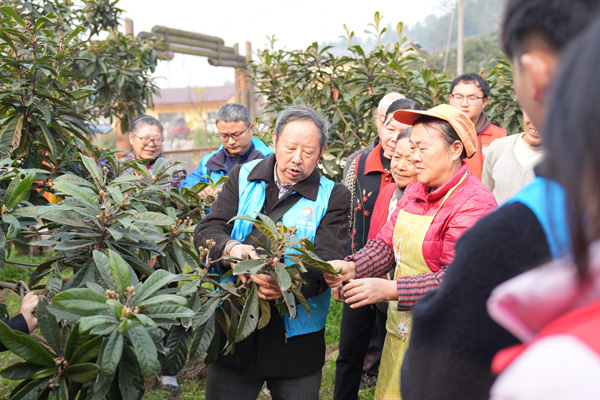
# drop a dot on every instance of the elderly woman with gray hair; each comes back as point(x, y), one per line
point(146, 139)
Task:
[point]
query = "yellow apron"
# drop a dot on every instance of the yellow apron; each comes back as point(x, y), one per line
point(409, 233)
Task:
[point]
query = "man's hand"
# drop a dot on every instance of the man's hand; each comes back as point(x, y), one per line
point(243, 251)
point(28, 306)
point(268, 289)
point(348, 269)
point(361, 292)
point(208, 191)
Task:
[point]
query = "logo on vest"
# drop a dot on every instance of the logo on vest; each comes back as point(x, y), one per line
point(307, 212)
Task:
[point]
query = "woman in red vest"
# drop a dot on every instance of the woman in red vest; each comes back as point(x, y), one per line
point(555, 309)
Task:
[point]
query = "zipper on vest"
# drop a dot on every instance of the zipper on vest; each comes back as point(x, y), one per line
point(286, 337)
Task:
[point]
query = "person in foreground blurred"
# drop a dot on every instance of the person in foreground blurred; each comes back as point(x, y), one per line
point(509, 161)
point(146, 139)
point(26, 321)
point(454, 339)
point(555, 309)
point(287, 354)
point(358, 333)
point(419, 239)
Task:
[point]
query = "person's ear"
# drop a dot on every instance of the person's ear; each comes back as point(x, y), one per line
point(485, 101)
point(323, 151)
point(131, 139)
point(457, 149)
point(539, 73)
point(251, 129)
point(274, 139)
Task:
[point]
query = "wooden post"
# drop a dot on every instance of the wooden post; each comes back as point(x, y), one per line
point(250, 86)
point(122, 139)
point(459, 39)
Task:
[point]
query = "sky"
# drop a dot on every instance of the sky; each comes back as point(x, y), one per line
point(295, 24)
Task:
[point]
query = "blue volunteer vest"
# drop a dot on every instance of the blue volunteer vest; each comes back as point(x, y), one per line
point(305, 216)
point(548, 201)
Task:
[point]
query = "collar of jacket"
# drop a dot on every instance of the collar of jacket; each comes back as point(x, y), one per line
point(373, 162)
point(418, 191)
point(308, 188)
point(218, 160)
point(483, 122)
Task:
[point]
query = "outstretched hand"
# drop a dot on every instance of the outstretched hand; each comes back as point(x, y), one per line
point(362, 292)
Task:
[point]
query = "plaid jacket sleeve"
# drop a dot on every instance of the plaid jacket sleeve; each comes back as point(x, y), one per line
point(374, 260)
point(411, 288)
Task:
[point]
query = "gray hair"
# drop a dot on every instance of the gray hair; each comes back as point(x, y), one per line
point(145, 120)
point(234, 112)
point(296, 113)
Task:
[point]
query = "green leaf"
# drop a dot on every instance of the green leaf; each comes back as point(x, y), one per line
point(18, 190)
point(177, 348)
point(168, 311)
point(206, 311)
point(103, 266)
point(283, 277)
point(71, 316)
point(21, 371)
point(157, 280)
point(162, 299)
point(203, 336)
point(131, 382)
point(249, 318)
point(14, 226)
point(290, 302)
point(112, 354)
point(66, 217)
point(80, 194)
point(145, 349)
point(74, 33)
point(74, 179)
point(31, 390)
point(87, 351)
point(88, 323)
point(11, 134)
point(11, 12)
point(82, 373)
point(90, 165)
point(265, 313)
point(248, 266)
point(25, 346)
point(48, 325)
point(80, 299)
point(120, 270)
point(154, 218)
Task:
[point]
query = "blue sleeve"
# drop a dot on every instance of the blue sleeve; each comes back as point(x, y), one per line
point(196, 176)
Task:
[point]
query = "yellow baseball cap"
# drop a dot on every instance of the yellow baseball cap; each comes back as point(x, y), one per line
point(459, 120)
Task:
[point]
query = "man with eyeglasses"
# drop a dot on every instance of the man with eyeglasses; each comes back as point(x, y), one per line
point(234, 127)
point(470, 94)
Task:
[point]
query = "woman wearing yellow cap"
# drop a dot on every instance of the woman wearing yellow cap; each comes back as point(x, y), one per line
point(418, 241)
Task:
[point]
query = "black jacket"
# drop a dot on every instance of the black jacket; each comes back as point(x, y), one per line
point(453, 339)
point(267, 353)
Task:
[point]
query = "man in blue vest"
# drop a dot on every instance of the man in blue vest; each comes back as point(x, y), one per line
point(287, 354)
point(234, 127)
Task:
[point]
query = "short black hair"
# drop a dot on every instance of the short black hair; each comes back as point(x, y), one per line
point(556, 22)
point(471, 77)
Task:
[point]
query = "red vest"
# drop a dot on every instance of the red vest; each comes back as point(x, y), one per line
point(484, 139)
point(582, 323)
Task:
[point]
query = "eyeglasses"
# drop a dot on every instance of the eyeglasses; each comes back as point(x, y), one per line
point(470, 99)
point(146, 140)
point(235, 135)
